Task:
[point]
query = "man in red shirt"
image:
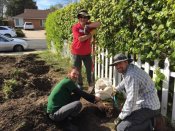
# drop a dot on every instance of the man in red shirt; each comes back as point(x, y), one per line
point(83, 32)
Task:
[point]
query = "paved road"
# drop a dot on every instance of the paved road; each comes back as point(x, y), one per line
point(36, 39)
point(37, 44)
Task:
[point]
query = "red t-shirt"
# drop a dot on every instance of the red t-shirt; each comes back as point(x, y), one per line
point(77, 47)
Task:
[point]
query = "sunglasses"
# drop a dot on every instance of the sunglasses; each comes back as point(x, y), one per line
point(84, 17)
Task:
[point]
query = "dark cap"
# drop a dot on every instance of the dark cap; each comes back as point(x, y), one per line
point(119, 58)
point(83, 12)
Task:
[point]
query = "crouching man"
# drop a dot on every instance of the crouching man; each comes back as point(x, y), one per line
point(142, 102)
point(64, 100)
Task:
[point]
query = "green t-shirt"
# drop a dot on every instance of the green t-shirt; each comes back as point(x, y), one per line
point(60, 95)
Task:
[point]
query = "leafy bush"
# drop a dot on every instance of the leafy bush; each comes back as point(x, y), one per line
point(20, 33)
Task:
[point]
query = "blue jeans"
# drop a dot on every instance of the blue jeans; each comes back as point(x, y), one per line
point(139, 120)
point(87, 60)
point(72, 109)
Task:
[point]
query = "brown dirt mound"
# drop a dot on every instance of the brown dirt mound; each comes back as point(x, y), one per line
point(25, 110)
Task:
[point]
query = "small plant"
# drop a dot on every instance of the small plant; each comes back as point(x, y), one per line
point(8, 87)
point(16, 73)
point(159, 77)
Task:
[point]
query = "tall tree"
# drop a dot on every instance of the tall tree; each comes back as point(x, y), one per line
point(15, 7)
point(56, 7)
point(2, 7)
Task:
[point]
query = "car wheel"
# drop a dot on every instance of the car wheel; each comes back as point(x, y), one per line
point(8, 35)
point(18, 48)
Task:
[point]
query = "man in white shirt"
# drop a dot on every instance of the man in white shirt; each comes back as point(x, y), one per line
point(142, 102)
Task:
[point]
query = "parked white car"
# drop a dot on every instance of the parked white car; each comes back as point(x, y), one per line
point(12, 44)
point(28, 26)
point(7, 31)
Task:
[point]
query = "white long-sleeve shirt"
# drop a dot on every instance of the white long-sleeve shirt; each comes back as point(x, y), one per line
point(140, 91)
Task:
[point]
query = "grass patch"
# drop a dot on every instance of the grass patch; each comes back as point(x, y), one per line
point(55, 60)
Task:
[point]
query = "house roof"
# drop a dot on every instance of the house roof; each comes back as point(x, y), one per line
point(33, 14)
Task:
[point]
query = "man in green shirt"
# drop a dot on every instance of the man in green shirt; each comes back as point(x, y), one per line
point(64, 100)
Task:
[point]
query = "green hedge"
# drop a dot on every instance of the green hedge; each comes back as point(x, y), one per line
point(139, 27)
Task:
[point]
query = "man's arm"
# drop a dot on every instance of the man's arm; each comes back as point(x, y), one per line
point(84, 37)
point(94, 25)
point(132, 89)
point(120, 87)
point(89, 31)
point(88, 97)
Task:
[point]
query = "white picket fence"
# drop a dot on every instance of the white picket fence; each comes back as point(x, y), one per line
point(103, 70)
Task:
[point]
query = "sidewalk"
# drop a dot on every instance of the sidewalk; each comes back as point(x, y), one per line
point(35, 34)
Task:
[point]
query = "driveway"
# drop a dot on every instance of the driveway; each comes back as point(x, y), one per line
point(35, 34)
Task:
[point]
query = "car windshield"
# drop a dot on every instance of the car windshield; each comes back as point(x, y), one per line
point(8, 38)
point(28, 23)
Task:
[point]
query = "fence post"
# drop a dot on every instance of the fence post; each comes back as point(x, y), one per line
point(53, 49)
point(147, 67)
point(165, 87)
point(102, 64)
point(99, 68)
point(138, 63)
point(110, 69)
point(96, 64)
point(173, 110)
point(106, 64)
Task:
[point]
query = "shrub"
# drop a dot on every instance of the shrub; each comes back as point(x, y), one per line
point(20, 33)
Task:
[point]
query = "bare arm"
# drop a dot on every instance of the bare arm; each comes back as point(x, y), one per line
point(84, 37)
point(88, 36)
point(94, 25)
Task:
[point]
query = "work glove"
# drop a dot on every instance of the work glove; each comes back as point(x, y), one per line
point(117, 121)
point(93, 32)
point(86, 29)
point(114, 91)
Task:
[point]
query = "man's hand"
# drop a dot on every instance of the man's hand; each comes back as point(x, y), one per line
point(117, 121)
point(114, 91)
point(97, 99)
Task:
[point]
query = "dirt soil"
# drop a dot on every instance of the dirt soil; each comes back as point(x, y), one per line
point(25, 108)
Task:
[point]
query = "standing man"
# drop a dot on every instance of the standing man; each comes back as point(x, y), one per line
point(142, 102)
point(64, 100)
point(83, 32)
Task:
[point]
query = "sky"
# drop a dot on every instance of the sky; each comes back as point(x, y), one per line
point(45, 4)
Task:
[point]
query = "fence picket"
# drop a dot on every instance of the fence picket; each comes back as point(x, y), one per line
point(110, 69)
point(165, 88)
point(106, 64)
point(173, 110)
point(102, 64)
